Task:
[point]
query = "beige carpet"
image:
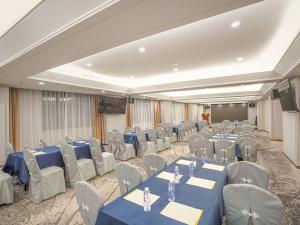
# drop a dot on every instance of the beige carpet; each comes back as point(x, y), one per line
point(63, 209)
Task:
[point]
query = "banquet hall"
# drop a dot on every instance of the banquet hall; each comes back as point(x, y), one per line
point(148, 112)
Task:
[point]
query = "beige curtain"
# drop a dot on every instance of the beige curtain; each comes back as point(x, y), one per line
point(186, 111)
point(128, 115)
point(98, 121)
point(14, 121)
point(157, 118)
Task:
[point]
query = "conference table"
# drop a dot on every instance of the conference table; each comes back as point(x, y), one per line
point(125, 212)
point(50, 156)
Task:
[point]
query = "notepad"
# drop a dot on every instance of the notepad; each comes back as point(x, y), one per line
point(81, 142)
point(137, 197)
point(184, 162)
point(182, 213)
point(37, 153)
point(213, 167)
point(167, 176)
point(203, 183)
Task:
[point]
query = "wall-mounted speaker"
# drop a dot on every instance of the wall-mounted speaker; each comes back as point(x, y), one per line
point(275, 94)
point(206, 106)
point(251, 105)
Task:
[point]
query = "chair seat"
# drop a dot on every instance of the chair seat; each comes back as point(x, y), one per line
point(87, 169)
point(108, 161)
point(51, 170)
point(168, 143)
point(160, 145)
point(6, 188)
point(127, 154)
point(150, 147)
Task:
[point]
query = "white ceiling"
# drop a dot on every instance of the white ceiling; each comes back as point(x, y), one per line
point(205, 52)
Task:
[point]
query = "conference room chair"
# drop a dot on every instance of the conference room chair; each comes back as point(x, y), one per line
point(153, 164)
point(248, 146)
point(68, 139)
point(236, 130)
point(128, 130)
point(44, 183)
point(89, 201)
point(161, 134)
point(159, 144)
point(247, 128)
point(225, 151)
point(6, 188)
point(112, 143)
point(217, 129)
point(248, 204)
point(76, 170)
point(8, 148)
point(104, 162)
point(202, 144)
point(169, 132)
point(248, 173)
point(128, 177)
point(144, 146)
point(192, 144)
point(124, 151)
point(44, 144)
point(209, 131)
point(204, 134)
point(183, 133)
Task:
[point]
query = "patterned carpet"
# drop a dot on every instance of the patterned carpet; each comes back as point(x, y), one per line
point(63, 209)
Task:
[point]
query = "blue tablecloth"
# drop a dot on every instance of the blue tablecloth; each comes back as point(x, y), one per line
point(122, 212)
point(131, 138)
point(15, 164)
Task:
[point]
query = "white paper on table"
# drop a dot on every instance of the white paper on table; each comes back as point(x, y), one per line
point(184, 162)
point(167, 176)
point(203, 183)
point(37, 153)
point(81, 142)
point(137, 197)
point(182, 213)
point(213, 167)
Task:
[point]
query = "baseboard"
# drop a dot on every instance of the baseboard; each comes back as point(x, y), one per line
point(298, 167)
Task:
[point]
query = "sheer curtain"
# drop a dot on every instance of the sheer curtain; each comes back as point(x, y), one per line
point(52, 115)
point(143, 113)
point(4, 121)
point(178, 112)
point(193, 112)
point(200, 111)
point(166, 111)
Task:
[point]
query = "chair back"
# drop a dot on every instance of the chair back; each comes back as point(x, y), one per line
point(116, 131)
point(8, 148)
point(204, 134)
point(128, 177)
point(70, 161)
point(225, 151)
point(249, 173)
point(68, 139)
point(31, 163)
point(248, 128)
point(152, 135)
point(204, 144)
point(89, 201)
point(248, 204)
point(95, 148)
point(236, 130)
point(141, 140)
point(153, 164)
point(43, 143)
point(161, 134)
point(111, 141)
point(248, 147)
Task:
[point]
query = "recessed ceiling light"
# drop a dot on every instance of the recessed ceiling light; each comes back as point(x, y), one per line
point(131, 77)
point(175, 69)
point(88, 64)
point(235, 24)
point(142, 49)
point(103, 91)
point(240, 59)
point(41, 83)
point(123, 94)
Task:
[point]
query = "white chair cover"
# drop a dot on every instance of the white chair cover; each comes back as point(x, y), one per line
point(112, 143)
point(248, 128)
point(248, 147)
point(128, 130)
point(154, 164)
point(8, 149)
point(204, 134)
point(6, 188)
point(128, 177)
point(161, 134)
point(104, 161)
point(68, 139)
point(236, 130)
point(244, 202)
point(183, 133)
point(204, 144)
point(45, 183)
point(159, 144)
point(145, 147)
point(225, 151)
point(43, 143)
point(124, 151)
point(89, 201)
point(249, 173)
point(116, 131)
point(76, 170)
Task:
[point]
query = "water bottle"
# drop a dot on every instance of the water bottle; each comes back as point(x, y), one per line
point(147, 200)
point(191, 169)
point(194, 160)
point(204, 155)
point(176, 175)
point(171, 191)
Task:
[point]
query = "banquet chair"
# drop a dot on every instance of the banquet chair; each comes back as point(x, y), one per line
point(104, 162)
point(44, 183)
point(6, 188)
point(115, 131)
point(68, 139)
point(76, 170)
point(43, 143)
point(204, 134)
point(159, 144)
point(144, 146)
point(8, 148)
point(112, 143)
point(248, 147)
point(124, 151)
point(183, 133)
point(204, 144)
point(191, 140)
point(169, 133)
point(247, 128)
point(128, 177)
point(248, 204)
point(153, 164)
point(225, 151)
point(248, 173)
point(128, 130)
point(89, 201)
point(236, 130)
point(160, 132)
point(209, 131)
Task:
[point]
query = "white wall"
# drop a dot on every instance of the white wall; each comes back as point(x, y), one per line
point(4, 121)
point(252, 112)
point(276, 124)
